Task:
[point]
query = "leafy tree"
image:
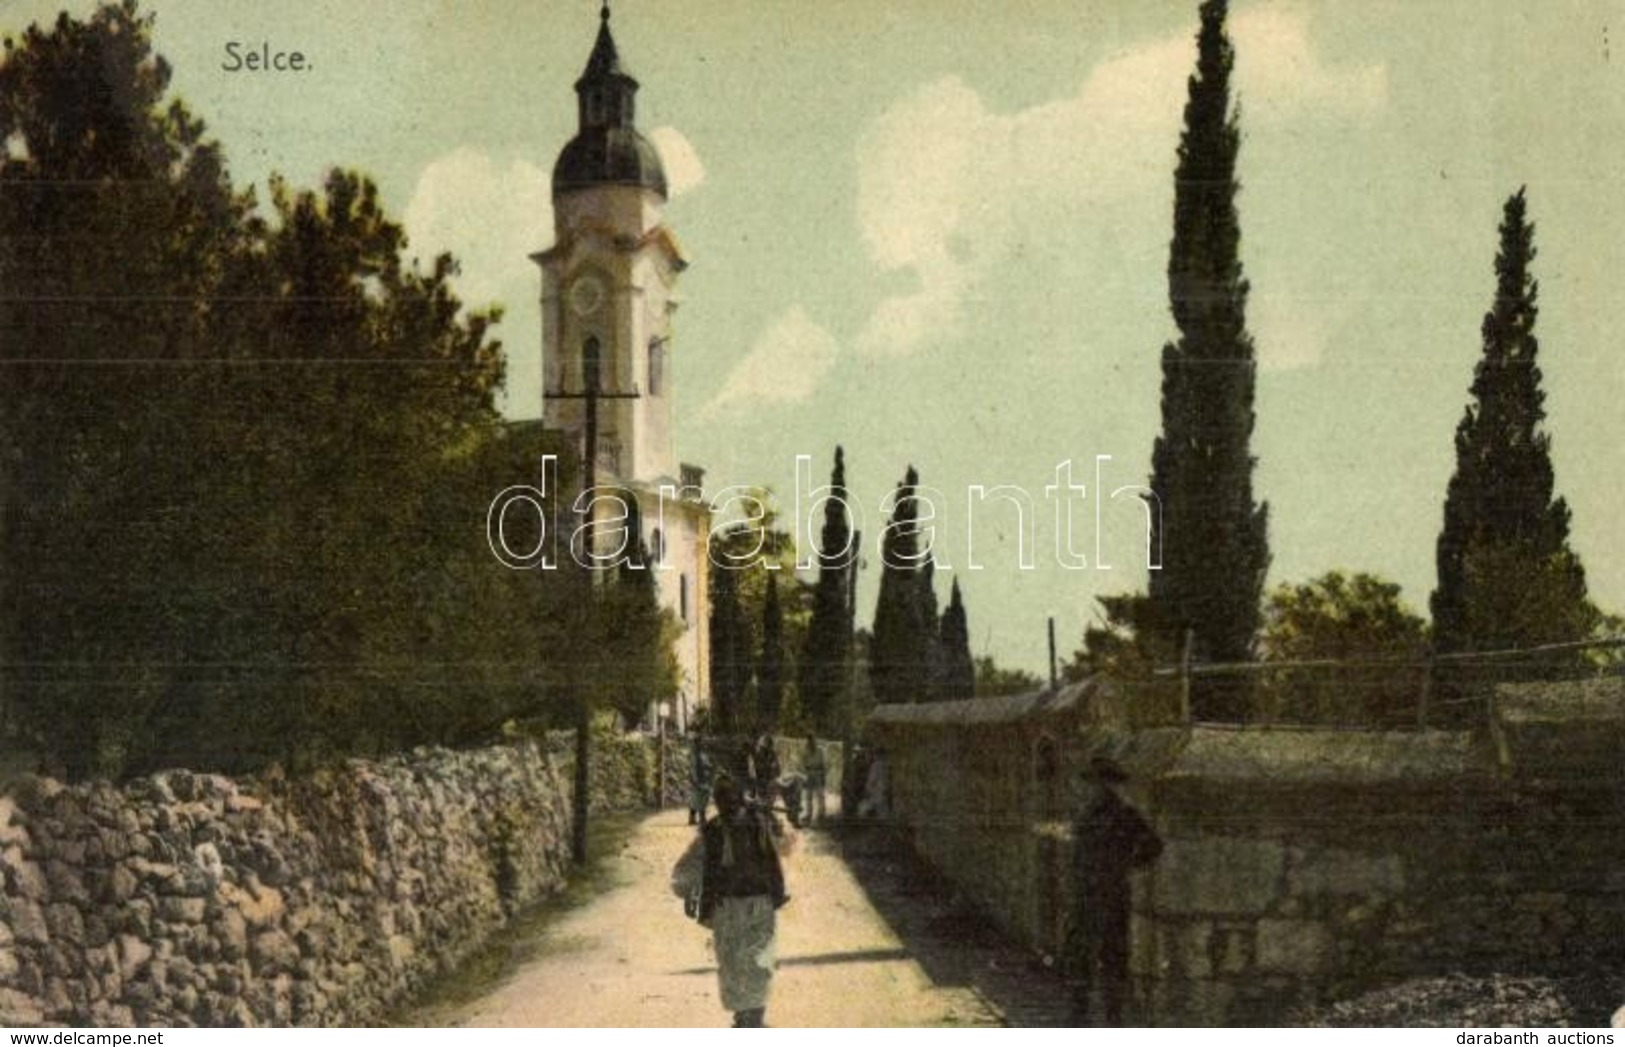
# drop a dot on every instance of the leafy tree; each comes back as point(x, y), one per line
point(1507, 578)
point(1358, 620)
point(116, 221)
point(1125, 645)
point(824, 671)
point(1127, 641)
point(903, 657)
point(992, 681)
point(634, 663)
point(958, 671)
point(244, 458)
point(1211, 532)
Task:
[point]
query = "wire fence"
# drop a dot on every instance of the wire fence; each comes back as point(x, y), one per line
point(1437, 691)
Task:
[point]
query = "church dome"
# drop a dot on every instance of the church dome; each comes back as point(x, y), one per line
point(607, 149)
point(608, 156)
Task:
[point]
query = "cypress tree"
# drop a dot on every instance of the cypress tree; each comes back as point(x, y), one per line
point(770, 668)
point(958, 670)
point(1506, 575)
point(903, 662)
point(730, 652)
point(930, 634)
point(827, 648)
point(1211, 532)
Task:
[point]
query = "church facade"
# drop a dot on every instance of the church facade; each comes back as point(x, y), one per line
point(609, 293)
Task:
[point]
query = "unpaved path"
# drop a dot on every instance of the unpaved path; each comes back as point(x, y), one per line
point(629, 957)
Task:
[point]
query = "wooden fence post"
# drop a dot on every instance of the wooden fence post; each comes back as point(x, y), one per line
point(1185, 676)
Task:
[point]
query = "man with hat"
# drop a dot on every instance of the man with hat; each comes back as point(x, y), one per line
point(742, 889)
point(1110, 840)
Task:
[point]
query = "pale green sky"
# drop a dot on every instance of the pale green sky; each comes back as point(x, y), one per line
point(936, 231)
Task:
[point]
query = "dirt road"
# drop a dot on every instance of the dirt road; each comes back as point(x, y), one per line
point(628, 956)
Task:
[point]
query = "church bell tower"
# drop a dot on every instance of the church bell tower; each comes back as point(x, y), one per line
point(609, 291)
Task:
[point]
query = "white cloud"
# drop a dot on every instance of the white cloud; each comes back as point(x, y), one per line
point(684, 171)
point(1281, 75)
point(784, 366)
point(1290, 332)
point(490, 216)
point(948, 189)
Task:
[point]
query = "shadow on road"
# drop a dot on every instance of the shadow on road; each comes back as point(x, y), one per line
point(824, 959)
point(944, 935)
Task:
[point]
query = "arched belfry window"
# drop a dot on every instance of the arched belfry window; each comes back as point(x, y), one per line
point(590, 365)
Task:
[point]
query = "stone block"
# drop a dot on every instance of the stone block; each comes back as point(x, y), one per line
point(120, 884)
point(1337, 871)
point(19, 1009)
point(1234, 948)
point(133, 955)
point(1219, 875)
point(66, 883)
point(273, 951)
point(178, 909)
point(1298, 947)
point(1184, 949)
point(231, 932)
point(66, 923)
point(12, 823)
point(26, 877)
point(1144, 951)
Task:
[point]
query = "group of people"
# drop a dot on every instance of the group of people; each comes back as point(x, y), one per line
point(800, 795)
point(734, 878)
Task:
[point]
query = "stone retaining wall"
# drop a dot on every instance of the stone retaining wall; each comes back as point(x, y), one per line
point(187, 899)
point(1301, 866)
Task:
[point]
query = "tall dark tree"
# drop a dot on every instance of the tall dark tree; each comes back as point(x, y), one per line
point(1211, 532)
point(824, 667)
point(1507, 577)
point(730, 652)
point(958, 670)
point(931, 653)
point(903, 660)
point(770, 666)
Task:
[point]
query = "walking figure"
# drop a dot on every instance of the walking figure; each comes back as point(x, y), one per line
point(764, 769)
point(816, 770)
point(699, 793)
point(1110, 840)
point(740, 893)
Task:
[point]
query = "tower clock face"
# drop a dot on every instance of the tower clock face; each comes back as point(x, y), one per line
point(586, 295)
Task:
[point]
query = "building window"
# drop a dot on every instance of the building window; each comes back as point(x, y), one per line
point(657, 367)
point(657, 547)
point(682, 598)
point(589, 365)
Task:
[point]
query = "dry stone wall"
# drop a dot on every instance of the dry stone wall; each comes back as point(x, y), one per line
point(190, 899)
